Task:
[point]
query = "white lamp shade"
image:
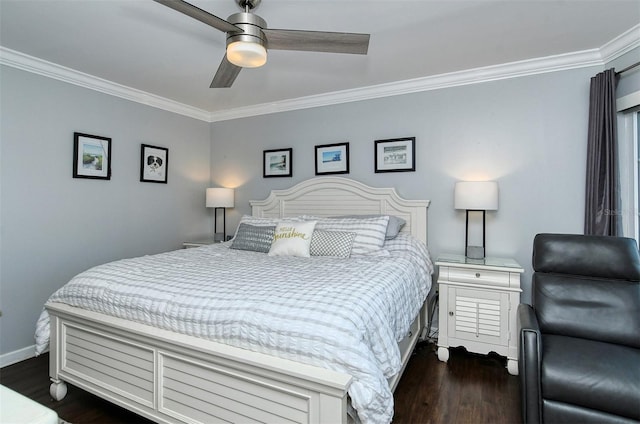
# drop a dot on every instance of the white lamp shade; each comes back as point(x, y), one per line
point(220, 197)
point(476, 195)
point(246, 54)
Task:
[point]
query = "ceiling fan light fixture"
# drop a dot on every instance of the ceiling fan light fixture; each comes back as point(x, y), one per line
point(246, 54)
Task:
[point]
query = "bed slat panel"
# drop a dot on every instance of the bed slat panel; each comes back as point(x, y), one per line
point(94, 347)
point(114, 365)
point(236, 386)
point(214, 394)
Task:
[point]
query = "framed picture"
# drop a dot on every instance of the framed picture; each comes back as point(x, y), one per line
point(91, 156)
point(332, 159)
point(154, 164)
point(277, 163)
point(395, 155)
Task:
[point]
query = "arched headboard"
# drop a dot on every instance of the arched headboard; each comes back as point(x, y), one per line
point(334, 196)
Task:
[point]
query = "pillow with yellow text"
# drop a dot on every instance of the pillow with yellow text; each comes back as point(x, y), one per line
point(292, 239)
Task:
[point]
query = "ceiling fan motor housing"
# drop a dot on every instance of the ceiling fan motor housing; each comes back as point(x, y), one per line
point(252, 26)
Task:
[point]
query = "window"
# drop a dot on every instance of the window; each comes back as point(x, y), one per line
point(629, 160)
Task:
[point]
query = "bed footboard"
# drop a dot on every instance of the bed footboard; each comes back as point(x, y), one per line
point(174, 378)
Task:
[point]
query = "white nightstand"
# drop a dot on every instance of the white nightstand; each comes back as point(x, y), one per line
point(478, 303)
point(199, 243)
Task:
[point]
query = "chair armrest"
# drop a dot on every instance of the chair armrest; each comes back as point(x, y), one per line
point(529, 358)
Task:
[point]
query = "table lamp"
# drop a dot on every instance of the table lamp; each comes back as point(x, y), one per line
point(475, 196)
point(219, 198)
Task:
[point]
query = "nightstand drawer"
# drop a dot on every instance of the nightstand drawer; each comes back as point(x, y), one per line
point(478, 276)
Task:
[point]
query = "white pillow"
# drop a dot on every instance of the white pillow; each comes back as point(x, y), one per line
point(292, 238)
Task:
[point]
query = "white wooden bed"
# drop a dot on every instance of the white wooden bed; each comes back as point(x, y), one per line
point(170, 377)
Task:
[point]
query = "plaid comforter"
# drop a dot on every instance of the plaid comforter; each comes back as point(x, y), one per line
point(343, 314)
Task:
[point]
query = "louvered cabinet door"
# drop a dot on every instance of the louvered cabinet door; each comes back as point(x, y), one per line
point(481, 316)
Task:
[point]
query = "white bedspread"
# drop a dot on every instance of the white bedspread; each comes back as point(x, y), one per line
point(342, 314)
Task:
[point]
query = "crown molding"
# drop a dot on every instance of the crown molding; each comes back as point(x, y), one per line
point(594, 57)
point(42, 67)
point(620, 45)
point(435, 82)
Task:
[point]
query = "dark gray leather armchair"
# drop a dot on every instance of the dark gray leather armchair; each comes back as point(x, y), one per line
point(579, 347)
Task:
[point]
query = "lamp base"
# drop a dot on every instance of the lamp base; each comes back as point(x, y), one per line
point(475, 252)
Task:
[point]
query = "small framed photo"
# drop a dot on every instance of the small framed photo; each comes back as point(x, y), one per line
point(154, 164)
point(332, 159)
point(395, 155)
point(277, 163)
point(91, 156)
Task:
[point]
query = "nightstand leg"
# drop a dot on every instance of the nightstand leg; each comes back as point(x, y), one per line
point(512, 366)
point(58, 389)
point(443, 354)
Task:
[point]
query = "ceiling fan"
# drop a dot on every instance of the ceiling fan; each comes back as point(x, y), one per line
point(248, 39)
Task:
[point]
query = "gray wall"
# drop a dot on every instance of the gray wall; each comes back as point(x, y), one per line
point(528, 133)
point(54, 226)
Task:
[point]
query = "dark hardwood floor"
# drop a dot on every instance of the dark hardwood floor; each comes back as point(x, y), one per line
point(468, 389)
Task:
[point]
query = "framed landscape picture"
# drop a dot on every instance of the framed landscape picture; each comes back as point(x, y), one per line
point(91, 156)
point(395, 155)
point(277, 163)
point(154, 164)
point(332, 159)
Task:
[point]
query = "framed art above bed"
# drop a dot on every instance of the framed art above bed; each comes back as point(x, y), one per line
point(277, 163)
point(332, 159)
point(395, 155)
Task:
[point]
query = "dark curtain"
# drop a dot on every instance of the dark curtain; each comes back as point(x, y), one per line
point(602, 208)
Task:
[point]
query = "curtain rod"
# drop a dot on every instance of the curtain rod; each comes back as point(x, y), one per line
point(628, 68)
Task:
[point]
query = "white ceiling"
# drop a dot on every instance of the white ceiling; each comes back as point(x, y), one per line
point(149, 47)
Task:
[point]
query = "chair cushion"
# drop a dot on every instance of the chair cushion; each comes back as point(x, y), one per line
point(591, 256)
point(563, 413)
point(589, 308)
point(591, 374)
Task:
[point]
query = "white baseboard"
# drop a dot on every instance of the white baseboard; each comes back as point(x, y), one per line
point(11, 358)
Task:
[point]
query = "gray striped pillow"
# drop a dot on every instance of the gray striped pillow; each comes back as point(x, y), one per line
point(370, 232)
point(257, 238)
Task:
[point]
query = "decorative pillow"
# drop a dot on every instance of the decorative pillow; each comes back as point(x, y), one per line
point(292, 238)
point(393, 229)
point(331, 243)
point(370, 232)
point(253, 237)
point(261, 222)
point(395, 225)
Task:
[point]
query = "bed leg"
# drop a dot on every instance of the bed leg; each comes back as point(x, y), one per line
point(58, 389)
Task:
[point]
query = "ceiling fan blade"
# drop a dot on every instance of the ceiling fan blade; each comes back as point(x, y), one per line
point(201, 15)
point(317, 41)
point(226, 74)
